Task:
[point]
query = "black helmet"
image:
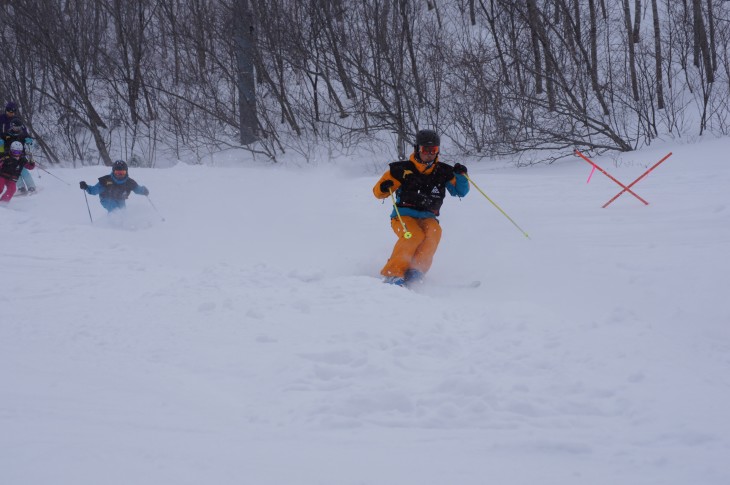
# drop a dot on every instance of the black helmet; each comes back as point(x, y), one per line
point(119, 165)
point(16, 126)
point(11, 106)
point(427, 138)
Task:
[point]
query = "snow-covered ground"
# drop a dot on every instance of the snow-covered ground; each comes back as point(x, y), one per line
point(247, 338)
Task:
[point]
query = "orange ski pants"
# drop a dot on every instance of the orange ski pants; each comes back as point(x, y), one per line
point(416, 252)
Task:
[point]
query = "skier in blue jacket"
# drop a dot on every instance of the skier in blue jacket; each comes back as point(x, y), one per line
point(114, 189)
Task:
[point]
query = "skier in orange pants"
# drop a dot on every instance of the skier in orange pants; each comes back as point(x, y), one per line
point(420, 185)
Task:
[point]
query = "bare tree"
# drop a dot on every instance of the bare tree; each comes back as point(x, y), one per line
point(631, 49)
point(636, 37)
point(244, 35)
point(534, 23)
point(72, 55)
point(191, 76)
point(701, 46)
point(489, 14)
point(658, 55)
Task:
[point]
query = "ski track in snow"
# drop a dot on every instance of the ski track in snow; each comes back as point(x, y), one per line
point(248, 334)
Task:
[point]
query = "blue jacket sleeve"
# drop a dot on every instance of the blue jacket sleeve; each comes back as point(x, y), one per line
point(95, 189)
point(141, 190)
point(461, 188)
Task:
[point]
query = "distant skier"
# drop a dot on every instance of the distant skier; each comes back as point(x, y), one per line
point(12, 129)
point(11, 112)
point(10, 168)
point(18, 132)
point(419, 184)
point(114, 189)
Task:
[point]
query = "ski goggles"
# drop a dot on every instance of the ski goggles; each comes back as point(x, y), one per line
point(430, 150)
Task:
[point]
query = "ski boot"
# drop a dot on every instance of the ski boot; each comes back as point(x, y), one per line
point(395, 280)
point(413, 277)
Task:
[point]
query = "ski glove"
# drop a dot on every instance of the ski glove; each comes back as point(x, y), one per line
point(145, 191)
point(83, 185)
point(29, 142)
point(460, 169)
point(386, 185)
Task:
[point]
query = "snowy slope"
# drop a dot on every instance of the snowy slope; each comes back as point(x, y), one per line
point(247, 338)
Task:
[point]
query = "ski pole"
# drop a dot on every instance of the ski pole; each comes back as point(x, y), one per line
point(87, 207)
point(406, 233)
point(495, 205)
point(49, 173)
point(155, 208)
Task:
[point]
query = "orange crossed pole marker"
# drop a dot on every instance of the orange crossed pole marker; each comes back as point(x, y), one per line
point(626, 188)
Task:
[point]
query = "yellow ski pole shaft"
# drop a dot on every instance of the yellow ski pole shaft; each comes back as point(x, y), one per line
point(495, 205)
point(406, 233)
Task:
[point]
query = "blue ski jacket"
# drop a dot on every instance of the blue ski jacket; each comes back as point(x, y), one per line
point(114, 192)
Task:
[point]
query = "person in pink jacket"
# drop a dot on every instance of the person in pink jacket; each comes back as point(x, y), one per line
point(10, 168)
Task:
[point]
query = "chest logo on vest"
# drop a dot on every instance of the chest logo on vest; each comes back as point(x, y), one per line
point(406, 173)
point(435, 191)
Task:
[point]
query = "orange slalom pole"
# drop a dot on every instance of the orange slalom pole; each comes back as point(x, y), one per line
point(637, 180)
point(611, 177)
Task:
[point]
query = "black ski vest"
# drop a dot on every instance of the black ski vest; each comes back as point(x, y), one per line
point(113, 190)
point(420, 191)
point(12, 167)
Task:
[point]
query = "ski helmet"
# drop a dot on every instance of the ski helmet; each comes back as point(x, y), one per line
point(119, 165)
point(16, 126)
point(427, 138)
point(11, 106)
point(16, 148)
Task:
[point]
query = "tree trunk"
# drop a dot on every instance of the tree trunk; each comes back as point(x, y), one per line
point(658, 55)
point(632, 54)
point(637, 21)
point(247, 114)
point(533, 20)
point(702, 45)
